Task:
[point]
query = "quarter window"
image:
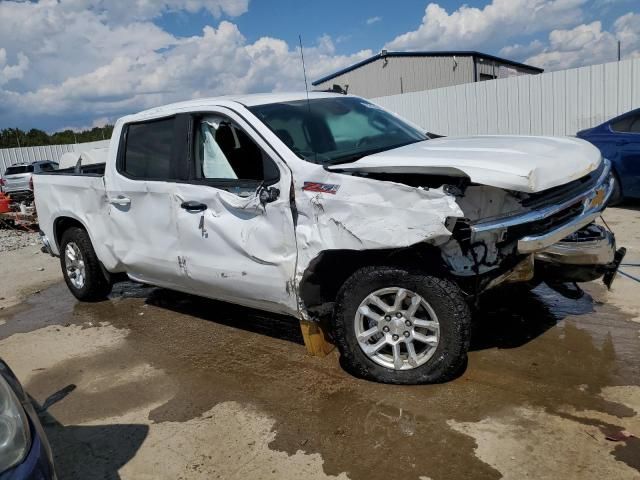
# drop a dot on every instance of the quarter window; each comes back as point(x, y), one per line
point(148, 150)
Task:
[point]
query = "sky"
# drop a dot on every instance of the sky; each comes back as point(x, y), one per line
point(83, 63)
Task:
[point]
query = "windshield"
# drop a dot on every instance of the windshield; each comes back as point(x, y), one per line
point(337, 129)
point(19, 169)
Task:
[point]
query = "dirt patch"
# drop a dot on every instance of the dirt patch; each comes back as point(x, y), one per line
point(26, 271)
point(172, 386)
point(180, 359)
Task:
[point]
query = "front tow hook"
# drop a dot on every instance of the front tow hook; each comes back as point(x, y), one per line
point(612, 268)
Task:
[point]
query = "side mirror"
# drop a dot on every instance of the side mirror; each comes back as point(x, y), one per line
point(268, 195)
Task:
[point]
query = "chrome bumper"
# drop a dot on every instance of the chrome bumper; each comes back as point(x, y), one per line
point(584, 256)
point(600, 249)
point(593, 202)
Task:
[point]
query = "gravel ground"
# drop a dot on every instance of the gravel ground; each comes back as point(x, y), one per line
point(11, 239)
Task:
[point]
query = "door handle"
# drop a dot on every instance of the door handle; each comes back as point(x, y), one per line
point(193, 206)
point(622, 142)
point(120, 200)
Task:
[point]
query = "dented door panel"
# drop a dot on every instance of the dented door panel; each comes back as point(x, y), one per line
point(238, 249)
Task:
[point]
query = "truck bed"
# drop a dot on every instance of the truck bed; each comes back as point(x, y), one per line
point(93, 170)
point(72, 193)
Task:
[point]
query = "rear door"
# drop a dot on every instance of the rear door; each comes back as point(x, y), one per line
point(140, 188)
point(236, 224)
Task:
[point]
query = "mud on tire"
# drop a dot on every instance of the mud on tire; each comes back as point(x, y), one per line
point(96, 285)
point(446, 301)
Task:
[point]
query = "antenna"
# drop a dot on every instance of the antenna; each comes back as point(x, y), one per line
point(306, 86)
point(304, 71)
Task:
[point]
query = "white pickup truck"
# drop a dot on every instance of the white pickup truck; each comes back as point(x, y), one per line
point(331, 208)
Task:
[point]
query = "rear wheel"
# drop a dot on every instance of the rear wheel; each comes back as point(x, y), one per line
point(81, 268)
point(397, 326)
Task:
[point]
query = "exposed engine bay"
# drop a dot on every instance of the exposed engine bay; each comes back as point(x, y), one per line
point(485, 247)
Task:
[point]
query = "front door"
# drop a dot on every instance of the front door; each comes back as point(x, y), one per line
point(235, 222)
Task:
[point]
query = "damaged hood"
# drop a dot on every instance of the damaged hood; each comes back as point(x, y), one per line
point(521, 163)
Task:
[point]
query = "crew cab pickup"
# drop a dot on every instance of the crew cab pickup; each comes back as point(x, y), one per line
point(331, 209)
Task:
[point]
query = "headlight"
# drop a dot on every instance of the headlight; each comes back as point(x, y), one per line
point(15, 437)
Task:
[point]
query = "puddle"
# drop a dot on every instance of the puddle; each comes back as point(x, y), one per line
point(537, 350)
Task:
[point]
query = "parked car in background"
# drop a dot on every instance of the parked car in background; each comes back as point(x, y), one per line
point(16, 180)
point(24, 450)
point(619, 140)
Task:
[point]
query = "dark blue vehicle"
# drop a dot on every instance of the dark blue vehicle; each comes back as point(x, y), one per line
point(24, 451)
point(619, 141)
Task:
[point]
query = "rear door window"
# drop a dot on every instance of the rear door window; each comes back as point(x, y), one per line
point(148, 150)
point(19, 169)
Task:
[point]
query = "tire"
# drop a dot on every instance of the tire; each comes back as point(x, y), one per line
point(91, 283)
point(432, 363)
point(616, 196)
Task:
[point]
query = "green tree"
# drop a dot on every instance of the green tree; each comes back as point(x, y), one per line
point(14, 137)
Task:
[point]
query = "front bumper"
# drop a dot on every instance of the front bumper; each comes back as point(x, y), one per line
point(37, 465)
point(586, 255)
point(588, 205)
point(38, 462)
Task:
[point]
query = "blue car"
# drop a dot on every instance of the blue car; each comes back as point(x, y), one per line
point(24, 451)
point(619, 141)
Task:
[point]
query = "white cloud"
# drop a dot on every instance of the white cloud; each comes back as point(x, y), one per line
point(372, 20)
point(128, 10)
point(472, 28)
point(70, 62)
point(82, 65)
point(584, 44)
point(12, 72)
point(522, 51)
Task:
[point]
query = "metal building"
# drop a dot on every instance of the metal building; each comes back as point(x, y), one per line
point(390, 73)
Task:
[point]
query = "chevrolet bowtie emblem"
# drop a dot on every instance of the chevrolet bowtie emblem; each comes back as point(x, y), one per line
point(598, 198)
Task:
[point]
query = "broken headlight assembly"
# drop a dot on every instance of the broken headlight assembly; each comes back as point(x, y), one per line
point(15, 437)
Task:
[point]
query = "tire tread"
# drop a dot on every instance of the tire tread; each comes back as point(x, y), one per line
point(448, 365)
point(97, 285)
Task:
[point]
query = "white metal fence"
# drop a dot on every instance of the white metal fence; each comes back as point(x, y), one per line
point(14, 156)
point(556, 103)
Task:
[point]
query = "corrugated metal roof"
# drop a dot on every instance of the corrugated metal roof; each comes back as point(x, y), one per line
point(458, 53)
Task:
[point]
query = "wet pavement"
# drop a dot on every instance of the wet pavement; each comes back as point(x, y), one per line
point(547, 379)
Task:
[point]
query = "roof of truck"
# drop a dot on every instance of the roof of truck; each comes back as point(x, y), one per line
point(248, 100)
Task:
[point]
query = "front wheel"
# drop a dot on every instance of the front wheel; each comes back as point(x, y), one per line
point(81, 268)
point(393, 325)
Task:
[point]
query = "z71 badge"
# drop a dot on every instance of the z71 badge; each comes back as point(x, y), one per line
point(321, 187)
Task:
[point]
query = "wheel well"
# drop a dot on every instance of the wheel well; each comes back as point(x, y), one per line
point(327, 272)
point(62, 224)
